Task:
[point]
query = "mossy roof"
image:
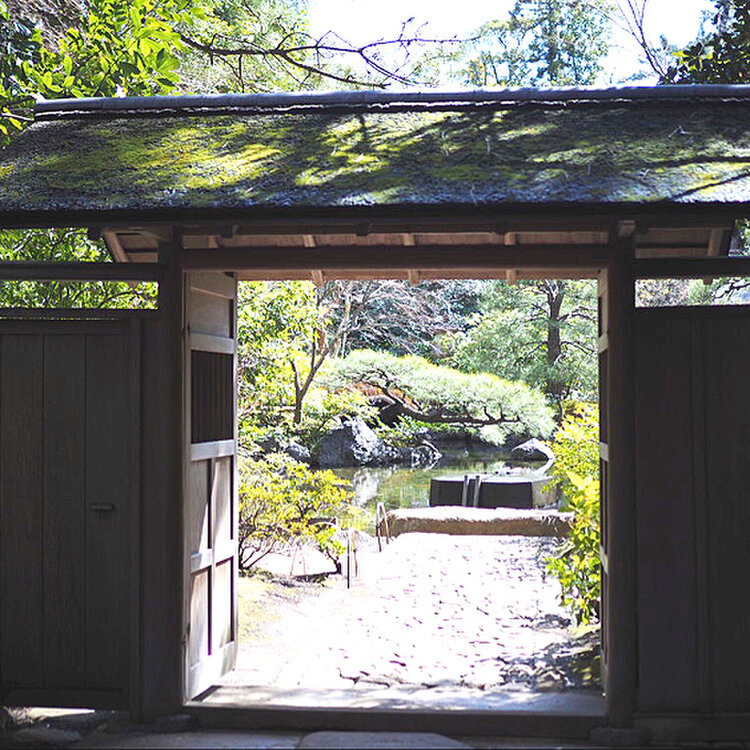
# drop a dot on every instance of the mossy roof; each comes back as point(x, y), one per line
point(688, 151)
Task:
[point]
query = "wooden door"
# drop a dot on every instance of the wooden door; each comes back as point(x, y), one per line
point(693, 485)
point(210, 481)
point(69, 395)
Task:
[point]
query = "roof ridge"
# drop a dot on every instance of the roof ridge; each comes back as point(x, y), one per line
point(414, 97)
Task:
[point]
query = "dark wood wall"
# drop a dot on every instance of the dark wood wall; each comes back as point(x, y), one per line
point(693, 510)
point(67, 449)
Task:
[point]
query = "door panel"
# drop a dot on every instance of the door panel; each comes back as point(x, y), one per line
point(693, 485)
point(21, 510)
point(67, 445)
point(64, 508)
point(210, 529)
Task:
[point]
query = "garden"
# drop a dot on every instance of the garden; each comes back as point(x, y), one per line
point(354, 394)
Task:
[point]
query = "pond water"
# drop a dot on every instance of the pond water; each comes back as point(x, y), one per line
point(404, 487)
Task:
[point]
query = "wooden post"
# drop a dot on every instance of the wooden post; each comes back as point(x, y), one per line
point(161, 538)
point(621, 615)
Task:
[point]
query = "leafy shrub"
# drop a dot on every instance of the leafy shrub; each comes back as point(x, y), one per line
point(283, 502)
point(577, 564)
point(576, 448)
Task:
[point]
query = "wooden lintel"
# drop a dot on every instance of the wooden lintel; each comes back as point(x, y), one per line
point(425, 257)
point(414, 277)
point(94, 271)
point(317, 277)
point(691, 268)
point(434, 274)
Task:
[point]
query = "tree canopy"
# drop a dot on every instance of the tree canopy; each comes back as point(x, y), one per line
point(540, 332)
point(437, 395)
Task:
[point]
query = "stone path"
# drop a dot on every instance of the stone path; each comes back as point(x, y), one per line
point(430, 613)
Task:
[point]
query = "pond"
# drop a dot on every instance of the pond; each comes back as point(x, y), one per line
point(404, 487)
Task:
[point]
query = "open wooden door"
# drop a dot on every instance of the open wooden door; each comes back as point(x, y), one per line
point(210, 481)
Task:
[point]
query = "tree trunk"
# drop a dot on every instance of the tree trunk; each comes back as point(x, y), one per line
point(555, 386)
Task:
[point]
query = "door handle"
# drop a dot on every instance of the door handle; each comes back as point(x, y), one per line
point(102, 507)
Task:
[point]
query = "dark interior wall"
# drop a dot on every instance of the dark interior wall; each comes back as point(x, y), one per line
point(65, 512)
point(693, 506)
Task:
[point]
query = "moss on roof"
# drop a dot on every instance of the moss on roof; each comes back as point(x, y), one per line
point(594, 154)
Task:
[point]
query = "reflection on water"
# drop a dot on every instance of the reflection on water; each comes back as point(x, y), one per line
point(403, 487)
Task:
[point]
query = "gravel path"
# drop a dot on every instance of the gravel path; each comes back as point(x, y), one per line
point(430, 611)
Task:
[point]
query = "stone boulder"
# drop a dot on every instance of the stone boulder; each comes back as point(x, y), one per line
point(354, 444)
point(532, 450)
point(298, 452)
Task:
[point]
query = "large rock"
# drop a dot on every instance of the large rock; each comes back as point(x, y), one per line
point(354, 444)
point(532, 450)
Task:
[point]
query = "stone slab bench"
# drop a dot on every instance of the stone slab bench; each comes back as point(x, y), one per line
point(494, 521)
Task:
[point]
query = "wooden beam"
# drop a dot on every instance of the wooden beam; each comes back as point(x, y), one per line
point(75, 313)
point(510, 276)
point(414, 276)
point(22, 271)
point(686, 268)
point(444, 257)
point(317, 277)
point(112, 241)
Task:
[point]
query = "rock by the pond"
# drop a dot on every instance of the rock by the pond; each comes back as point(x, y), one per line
point(479, 521)
point(298, 452)
point(532, 450)
point(354, 444)
point(424, 455)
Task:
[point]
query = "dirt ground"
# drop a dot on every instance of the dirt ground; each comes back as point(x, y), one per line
point(430, 611)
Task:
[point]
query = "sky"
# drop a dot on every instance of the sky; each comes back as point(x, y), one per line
point(364, 20)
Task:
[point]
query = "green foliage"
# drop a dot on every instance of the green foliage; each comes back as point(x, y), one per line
point(275, 321)
point(577, 565)
point(282, 503)
point(576, 446)
point(576, 468)
point(720, 55)
point(128, 47)
point(252, 25)
point(65, 245)
point(541, 43)
point(540, 332)
point(121, 47)
point(441, 395)
point(20, 46)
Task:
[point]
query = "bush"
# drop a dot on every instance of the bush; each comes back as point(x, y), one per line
point(577, 566)
point(576, 446)
point(283, 502)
